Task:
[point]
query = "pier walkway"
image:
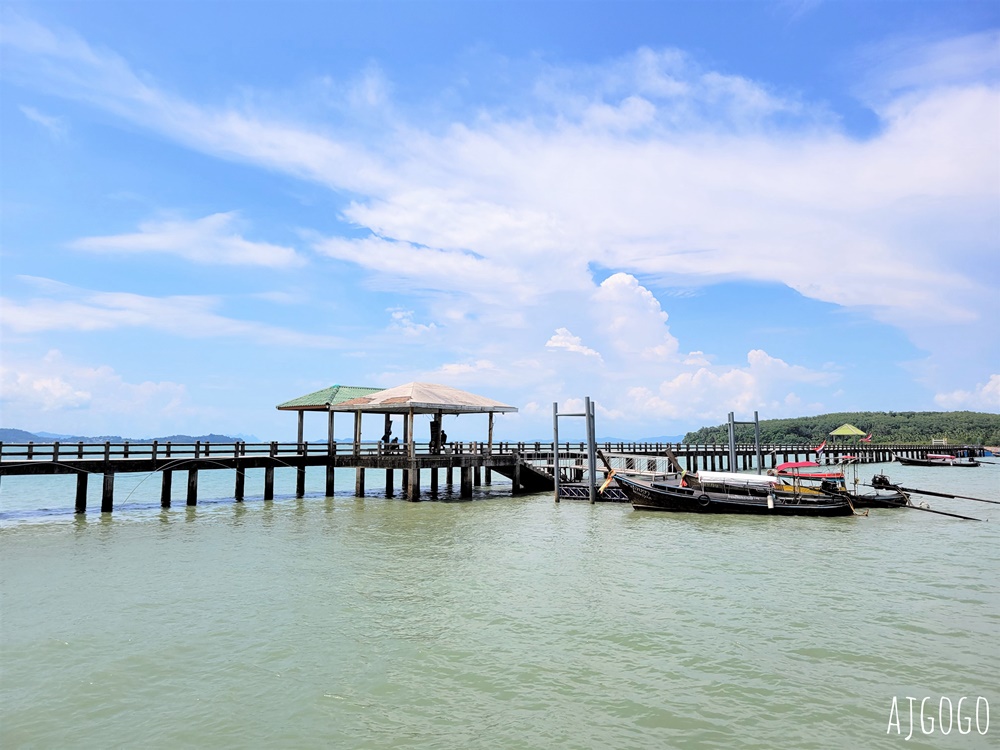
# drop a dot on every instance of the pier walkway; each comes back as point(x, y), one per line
point(529, 465)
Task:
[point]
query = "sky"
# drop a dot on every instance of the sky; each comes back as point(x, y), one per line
point(678, 209)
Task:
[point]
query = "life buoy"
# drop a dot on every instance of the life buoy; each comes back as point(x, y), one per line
point(704, 500)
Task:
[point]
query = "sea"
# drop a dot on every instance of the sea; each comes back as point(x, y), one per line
point(497, 622)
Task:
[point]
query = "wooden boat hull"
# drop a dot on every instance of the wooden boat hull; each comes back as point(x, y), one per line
point(935, 462)
point(671, 497)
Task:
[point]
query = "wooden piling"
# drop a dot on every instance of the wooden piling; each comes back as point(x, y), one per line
point(300, 481)
point(240, 484)
point(434, 481)
point(192, 488)
point(477, 477)
point(466, 482)
point(166, 480)
point(330, 479)
point(269, 483)
point(359, 482)
point(489, 477)
point(389, 478)
point(81, 491)
point(413, 488)
point(108, 493)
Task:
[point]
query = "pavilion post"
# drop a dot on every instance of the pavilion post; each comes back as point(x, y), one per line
point(301, 430)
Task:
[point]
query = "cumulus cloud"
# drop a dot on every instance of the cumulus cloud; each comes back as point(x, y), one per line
point(565, 340)
point(69, 396)
point(983, 396)
point(210, 240)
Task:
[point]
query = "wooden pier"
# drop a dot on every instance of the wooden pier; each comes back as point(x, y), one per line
point(527, 465)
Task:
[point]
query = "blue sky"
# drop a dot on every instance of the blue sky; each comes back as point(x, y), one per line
point(678, 209)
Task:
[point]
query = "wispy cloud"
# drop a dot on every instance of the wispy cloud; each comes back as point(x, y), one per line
point(56, 126)
point(69, 308)
point(211, 240)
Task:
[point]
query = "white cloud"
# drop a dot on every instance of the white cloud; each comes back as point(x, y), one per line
point(565, 340)
point(648, 165)
point(210, 240)
point(56, 394)
point(68, 308)
point(56, 126)
point(983, 396)
point(402, 320)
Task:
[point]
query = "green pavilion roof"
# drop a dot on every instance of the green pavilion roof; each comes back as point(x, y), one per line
point(321, 400)
point(847, 430)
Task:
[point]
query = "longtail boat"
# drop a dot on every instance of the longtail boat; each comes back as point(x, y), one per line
point(936, 459)
point(722, 492)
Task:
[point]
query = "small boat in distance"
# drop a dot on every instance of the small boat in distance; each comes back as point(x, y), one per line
point(936, 459)
point(721, 492)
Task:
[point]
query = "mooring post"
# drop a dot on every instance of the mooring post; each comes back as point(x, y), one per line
point(555, 450)
point(81, 491)
point(269, 483)
point(165, 488)
point(192, 493)
point(108, 492)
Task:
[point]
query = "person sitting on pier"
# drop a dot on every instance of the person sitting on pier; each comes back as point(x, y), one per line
point(444, 442)
point(394, 445)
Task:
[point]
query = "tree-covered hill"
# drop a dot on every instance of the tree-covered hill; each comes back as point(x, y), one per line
point(959, 427)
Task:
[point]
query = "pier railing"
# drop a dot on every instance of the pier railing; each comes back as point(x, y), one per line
point(708, 456)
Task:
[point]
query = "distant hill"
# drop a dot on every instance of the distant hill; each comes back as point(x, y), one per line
point(918, 427)
point(10, 435)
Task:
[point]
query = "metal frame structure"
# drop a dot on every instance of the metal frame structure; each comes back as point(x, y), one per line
point(588, 414)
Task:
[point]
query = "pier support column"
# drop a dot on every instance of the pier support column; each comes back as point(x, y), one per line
point(477, 476)
point(434, 481)
point(359, 483)
point(516, 482)
point(300, 481)
point(192, 493)
point(489, 476)
point(269, 483)
point(389, 479)
point(108, 493)
point(166, 487)
point(413, 488)
point(466, 487)
point(238, 492)
point(330, 479)
point(81, 491)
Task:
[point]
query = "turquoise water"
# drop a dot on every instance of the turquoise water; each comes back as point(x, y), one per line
point(493, 623)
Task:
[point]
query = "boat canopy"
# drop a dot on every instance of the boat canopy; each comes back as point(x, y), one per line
point(732, 476)
point(796, 465)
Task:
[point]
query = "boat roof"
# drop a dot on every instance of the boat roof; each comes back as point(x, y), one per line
point(732, 476)
point(795, 465)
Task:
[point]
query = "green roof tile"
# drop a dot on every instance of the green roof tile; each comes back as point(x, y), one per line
point(335, 394)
